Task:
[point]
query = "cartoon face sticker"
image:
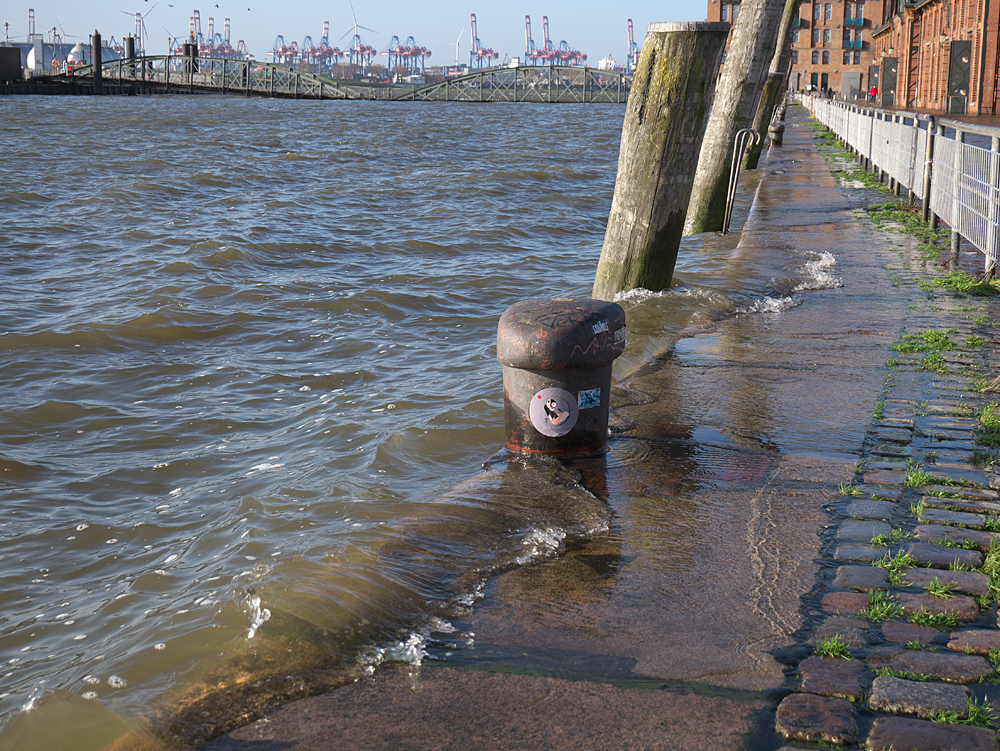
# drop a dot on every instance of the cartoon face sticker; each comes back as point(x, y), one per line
point(553, 412)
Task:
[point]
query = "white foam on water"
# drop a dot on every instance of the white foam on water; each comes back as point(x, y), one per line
point(817, 274)
point(540, 542)
point(770, 305)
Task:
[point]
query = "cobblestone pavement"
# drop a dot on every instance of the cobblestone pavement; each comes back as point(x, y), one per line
point(912, 554)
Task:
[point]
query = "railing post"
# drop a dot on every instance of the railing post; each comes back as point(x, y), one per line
point(956, 204)
point(926, 213)
point(993, 211)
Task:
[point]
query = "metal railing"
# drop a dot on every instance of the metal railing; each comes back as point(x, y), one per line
point(217, 74)
point(530, 83)
point(953, 168)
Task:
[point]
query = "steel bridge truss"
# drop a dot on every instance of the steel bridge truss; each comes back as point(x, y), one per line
point(551, 83)
point(248, 77)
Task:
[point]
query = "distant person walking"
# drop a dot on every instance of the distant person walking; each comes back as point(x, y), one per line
point(873, 94)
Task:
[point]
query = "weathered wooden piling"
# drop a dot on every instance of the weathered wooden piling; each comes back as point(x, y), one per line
point(95, 55)
point(751, 48)
point(774, 84)
point(664, 125)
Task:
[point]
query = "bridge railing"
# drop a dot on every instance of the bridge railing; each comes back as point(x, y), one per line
point(219, 74)
point(952, 167)
point(550, 83)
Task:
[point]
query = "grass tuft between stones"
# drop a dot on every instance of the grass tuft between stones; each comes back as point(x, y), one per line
point(833, 647)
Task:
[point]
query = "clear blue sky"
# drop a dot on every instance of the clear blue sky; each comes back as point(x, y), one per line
point(596, 28)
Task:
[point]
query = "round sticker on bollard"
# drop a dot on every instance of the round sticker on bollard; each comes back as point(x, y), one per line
point(553, 412)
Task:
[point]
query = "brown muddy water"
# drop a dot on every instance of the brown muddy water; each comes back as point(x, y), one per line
point(248, 348)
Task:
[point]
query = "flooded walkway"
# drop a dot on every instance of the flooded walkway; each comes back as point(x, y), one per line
point(680, 626)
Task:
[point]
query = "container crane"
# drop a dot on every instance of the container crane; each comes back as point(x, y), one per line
point(550, 55)
point(532, 55)
point(415, 51)
point(328, 55)
point(632, 61)
point(480, 56)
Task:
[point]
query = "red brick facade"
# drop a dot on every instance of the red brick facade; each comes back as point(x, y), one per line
point(831, 43)
point(944, 53)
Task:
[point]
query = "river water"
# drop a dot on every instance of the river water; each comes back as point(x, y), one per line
point(242, 341)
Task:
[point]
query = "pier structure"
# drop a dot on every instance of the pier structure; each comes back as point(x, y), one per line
point(178, 74)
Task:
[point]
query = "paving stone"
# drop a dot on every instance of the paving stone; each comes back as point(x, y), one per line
point(961, 424)
point(966, 582)
point(957, 504)
point(861, 530)
point(969, 475)
point(941, 444)
point(962, 607)
point(942, 666)
point(896, 422)
point(885, 477)
point(894, 435)
point(941, 533)
point(854, 631)
point(880, 492)
point(938, 556)
point(942, 516)
point(902, 632)
point(844, 602)
point(899, 408)
point(870, 509)
point(899, 734)
point(886, 462)
point(864, 578)
point(918, 698)
point(816, 719)
point(857, 552)
point(978, 641)
point(831, 677)
point(975, 493)
point(893, 449)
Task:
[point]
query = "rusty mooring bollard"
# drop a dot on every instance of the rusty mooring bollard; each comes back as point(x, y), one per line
point(557, 357)
point(776, 134)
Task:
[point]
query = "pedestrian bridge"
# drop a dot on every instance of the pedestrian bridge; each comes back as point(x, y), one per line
point(541, 83)
point(161, 74)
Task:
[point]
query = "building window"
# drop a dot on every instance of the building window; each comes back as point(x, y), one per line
point(795, 35)
point(817, 9)
point(848, 10)
point(857, 35)
point(826, 57)
point(860, 14)
point(795, 57)
point(816, 36)
point(725, 12)
point(857, 57)
point(828, 11)
point(815, 57)
point(847, 57)
point(736, 9)
point(826, 35)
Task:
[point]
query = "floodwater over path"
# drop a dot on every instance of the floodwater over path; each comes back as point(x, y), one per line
point(248, 348)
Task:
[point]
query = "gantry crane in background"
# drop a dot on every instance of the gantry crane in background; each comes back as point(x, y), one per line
point(632, 60)
point(480, 56)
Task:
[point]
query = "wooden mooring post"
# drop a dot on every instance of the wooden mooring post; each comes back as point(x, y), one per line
point(665, 121)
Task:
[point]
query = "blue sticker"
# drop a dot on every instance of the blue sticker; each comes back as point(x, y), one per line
point(589, 398)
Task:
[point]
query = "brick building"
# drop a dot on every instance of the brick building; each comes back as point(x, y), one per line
point(831, 43)
point(940, 55)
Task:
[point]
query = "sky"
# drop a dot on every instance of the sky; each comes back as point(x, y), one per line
point(595, 28)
